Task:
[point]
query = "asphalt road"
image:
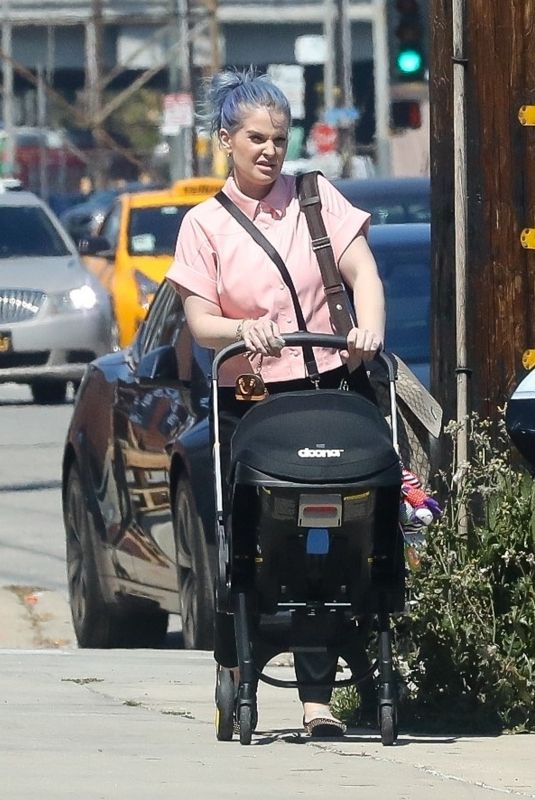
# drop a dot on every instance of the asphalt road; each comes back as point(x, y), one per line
point(31, 527)
point(34, 611)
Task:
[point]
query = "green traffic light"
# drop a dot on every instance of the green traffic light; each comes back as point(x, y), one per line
point(409, 62)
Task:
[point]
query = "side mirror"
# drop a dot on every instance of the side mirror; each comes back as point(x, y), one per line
point(95, 245)
point(159, 365)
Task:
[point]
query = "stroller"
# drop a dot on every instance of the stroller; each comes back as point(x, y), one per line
point(312, 543)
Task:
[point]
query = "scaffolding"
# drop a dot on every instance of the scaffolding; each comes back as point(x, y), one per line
point(175, 24)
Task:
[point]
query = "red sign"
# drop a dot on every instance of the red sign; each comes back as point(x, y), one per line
point(324, 137)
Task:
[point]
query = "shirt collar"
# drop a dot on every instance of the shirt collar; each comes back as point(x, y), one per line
point(274, 203)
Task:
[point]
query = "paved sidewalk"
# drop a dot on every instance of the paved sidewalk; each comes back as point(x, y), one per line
point(101, 725)
point(34, 618)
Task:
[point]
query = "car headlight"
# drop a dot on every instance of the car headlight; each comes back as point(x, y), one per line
point(81, 298)
point(146, 289)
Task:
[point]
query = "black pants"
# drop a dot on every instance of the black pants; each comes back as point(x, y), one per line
point(315, 667)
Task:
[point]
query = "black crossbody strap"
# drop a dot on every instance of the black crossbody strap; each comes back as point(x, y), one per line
point(260, 239)
point(340, 308)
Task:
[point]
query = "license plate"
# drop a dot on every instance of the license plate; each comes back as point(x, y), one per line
point(6, 343)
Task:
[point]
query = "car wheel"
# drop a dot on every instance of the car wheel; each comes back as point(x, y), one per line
point(94, 622)
point(47, 393)
point(193, 572)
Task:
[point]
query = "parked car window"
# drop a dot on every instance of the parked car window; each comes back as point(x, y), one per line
point(110, 226)
point(163, 320)
point(406, 279)
point(396, 213)
point(28, 231)
point(389, 201)
point(152, 231)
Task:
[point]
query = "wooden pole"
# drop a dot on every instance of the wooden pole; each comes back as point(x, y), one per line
point(460, 211)
point(499, 198)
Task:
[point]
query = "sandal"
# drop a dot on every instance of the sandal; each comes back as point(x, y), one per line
point(324, 727)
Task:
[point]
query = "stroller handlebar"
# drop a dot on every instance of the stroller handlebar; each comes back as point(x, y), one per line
point(302, 339)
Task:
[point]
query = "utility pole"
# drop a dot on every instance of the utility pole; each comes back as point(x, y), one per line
point(382, 88)
point(41, 123)
point(344, 82)
point(181, 143)
point(93, 90)
point(497, 196)
point(329, 67)
point(213, 28)
point(7, 94)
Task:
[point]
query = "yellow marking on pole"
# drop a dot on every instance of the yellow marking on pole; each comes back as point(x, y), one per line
point(528, 359)
point(526, 115)
point(527, 238)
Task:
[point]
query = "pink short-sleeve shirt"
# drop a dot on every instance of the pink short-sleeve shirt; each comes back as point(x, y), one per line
point(218, 260)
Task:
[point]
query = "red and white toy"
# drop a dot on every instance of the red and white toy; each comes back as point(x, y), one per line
point(417, 509)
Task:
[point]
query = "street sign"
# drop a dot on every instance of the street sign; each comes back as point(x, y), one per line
point(177, 113)
point(341, 116)
point(310, 49)
point(324, 137)
point(290, 78)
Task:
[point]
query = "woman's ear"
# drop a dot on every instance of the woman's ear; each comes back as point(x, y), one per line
point(224, 141)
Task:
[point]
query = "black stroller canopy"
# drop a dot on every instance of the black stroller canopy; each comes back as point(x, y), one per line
point(318, 436)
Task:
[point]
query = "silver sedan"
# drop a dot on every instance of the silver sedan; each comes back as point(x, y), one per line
point(55, 317)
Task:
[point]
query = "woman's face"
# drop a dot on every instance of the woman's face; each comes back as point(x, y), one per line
point(258, 149)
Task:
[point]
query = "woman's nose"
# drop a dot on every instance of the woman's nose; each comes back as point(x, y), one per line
point(269, 148)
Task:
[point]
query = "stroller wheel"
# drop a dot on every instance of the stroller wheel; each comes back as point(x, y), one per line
point(388, 725)
point(224, 701)
point(246, 724)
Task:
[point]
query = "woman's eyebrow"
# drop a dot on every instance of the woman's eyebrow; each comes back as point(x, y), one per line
point(276, 135)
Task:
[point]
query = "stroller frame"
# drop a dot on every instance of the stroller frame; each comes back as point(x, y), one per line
point(236, 706)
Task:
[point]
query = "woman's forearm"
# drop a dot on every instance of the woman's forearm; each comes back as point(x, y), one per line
point(213, 332)
point(208, 326)
point(369, 300)
point(359, 270)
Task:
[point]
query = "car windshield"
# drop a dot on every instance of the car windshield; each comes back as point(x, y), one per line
point(27, 231)
point(153, 230)
point(409, 210)
point(406, 278)
point(388, 205)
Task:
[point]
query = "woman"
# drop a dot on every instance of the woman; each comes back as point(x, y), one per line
point(231, 290)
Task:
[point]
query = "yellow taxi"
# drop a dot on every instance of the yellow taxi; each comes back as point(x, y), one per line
point(135, 246)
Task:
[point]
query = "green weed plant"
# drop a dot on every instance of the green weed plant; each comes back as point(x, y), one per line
point(465, 650)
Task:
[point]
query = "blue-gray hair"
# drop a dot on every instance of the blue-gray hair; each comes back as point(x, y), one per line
point(231, 92)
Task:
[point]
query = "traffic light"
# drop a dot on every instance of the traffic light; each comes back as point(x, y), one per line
point(405, 114)
point(410, 56)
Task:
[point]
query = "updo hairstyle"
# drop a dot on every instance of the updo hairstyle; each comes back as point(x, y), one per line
point(232, 92)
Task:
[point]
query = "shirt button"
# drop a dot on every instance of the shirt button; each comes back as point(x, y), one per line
point(281, 287)
point(289, 321)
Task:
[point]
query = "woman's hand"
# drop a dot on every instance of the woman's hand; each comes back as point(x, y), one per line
point(363, 344)
point(262, 336)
